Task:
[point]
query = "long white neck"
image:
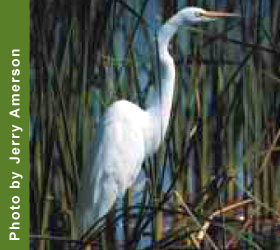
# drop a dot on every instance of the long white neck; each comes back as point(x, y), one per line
point(160, 107)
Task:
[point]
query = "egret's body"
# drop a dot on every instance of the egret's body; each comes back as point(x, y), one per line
point(128, 134)
point(117, 162)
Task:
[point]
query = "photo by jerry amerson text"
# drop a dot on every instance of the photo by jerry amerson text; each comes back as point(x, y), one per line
point(16, 134)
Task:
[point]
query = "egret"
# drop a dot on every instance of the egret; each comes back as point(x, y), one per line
point(127, 134)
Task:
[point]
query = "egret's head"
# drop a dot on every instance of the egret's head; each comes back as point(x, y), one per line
point(192, 15)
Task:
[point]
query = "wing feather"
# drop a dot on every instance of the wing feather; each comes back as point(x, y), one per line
point(119, 153)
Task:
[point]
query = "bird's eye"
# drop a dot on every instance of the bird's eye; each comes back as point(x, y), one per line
point(197, 14)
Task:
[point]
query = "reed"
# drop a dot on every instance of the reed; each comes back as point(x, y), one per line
point(223, 140)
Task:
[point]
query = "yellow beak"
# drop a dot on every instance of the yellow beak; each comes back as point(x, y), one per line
point(216, 14)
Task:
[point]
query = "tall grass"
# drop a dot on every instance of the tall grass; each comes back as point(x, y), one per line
point(221, 148)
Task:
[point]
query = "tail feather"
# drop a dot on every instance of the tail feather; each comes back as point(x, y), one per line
point(93, 207)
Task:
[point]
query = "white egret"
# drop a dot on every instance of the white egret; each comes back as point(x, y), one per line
point(128, 134)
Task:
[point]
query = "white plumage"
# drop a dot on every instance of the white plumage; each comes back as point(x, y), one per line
point(127, 134)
